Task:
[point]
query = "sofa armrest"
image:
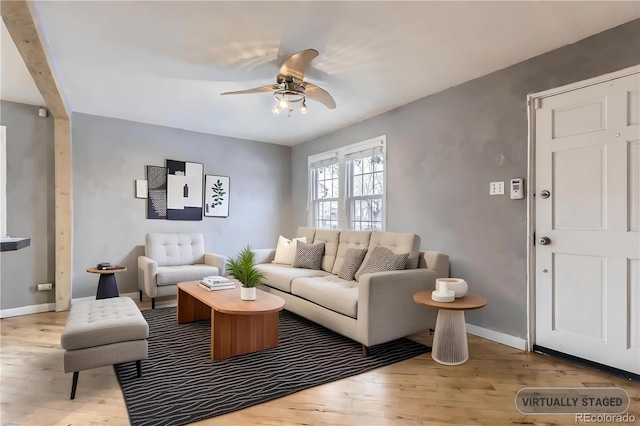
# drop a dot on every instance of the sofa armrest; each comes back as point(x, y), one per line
point(218, 260)
point(436, 261)
point(386, 309)
point(264, 255)
point(147, 271)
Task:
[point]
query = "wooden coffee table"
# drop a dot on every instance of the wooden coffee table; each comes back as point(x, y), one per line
point(237, 326)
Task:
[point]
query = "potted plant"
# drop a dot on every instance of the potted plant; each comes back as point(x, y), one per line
point(243, 268)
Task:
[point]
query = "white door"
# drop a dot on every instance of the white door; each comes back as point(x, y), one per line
point(587, 288)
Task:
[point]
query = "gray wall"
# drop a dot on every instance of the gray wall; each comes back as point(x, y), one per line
point(110, 224)
point(30, 206)
point(442, 152)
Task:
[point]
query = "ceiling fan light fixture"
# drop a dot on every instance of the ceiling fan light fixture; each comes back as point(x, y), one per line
point(290, 87)
point(287, 96)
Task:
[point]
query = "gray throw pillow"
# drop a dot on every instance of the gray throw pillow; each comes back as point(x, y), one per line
point(308, 256)
point(353, 258)
point(382, 259)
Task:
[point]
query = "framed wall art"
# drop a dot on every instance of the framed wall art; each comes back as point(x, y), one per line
point(157, 192)
point(141, 188)
point(184, 190)
point(216, 196)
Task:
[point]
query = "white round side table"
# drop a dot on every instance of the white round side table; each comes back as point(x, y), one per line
point(450, 345)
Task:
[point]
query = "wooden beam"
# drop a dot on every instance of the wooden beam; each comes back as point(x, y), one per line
point(23, 29)
point(63, 212)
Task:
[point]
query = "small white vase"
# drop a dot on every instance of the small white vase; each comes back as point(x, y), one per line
point(248, 293)
point(459, 286)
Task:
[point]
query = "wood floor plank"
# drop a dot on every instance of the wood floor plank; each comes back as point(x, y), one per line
point(34, 390)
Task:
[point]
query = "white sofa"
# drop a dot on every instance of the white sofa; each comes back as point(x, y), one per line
point(376, 309)
point(171, 258)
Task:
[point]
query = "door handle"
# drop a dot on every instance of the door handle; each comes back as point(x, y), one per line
point(545, 194)
point(543, 241)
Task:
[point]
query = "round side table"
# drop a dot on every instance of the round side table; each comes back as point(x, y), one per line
point(107, 286)
point(450, 345)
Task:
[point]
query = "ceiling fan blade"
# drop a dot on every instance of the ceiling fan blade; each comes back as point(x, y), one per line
point(316, 93)
point(254, 90)
point(295, 65)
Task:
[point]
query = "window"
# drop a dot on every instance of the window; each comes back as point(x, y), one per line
point(347, 187)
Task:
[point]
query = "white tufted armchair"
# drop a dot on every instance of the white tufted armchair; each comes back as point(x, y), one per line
point(172, 258)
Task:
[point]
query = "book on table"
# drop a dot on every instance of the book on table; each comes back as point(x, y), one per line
point(217, 287)
point(216, 279)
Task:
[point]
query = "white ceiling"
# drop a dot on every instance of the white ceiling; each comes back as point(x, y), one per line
point(166, 63)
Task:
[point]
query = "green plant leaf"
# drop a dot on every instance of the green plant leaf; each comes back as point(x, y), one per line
point(242, 267)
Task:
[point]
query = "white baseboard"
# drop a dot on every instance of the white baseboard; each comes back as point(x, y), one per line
point(496, 336)
point(26, 310)
point(48, 307)
point(131, 295)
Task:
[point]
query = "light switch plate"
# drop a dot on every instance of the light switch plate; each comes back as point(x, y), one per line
point(496, 188)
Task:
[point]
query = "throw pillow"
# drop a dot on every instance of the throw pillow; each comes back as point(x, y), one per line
point(309, 256)
point(286, 250)
point(352, 260)
point(382, 259)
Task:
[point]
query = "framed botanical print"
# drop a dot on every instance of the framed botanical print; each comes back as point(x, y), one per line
point(216, 196)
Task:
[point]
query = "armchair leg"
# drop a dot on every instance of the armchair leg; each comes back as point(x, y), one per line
point(139, 367)
point(153, 303)
point(141, 295)
point(74, 384)
point(365, 351)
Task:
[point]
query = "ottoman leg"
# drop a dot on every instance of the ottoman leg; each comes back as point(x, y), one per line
point(139, 367)
point(74, 384)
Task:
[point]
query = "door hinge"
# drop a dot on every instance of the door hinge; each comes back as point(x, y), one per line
point(537, 103)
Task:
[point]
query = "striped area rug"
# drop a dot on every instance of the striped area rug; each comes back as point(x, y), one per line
point(180, 384)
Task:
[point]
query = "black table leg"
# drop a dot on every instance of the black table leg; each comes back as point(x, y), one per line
point(107, 286)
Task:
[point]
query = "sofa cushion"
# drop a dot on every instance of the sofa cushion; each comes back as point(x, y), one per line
point(350, 239)
point(329, 292)
point(309, 233)
point(286, 250)
point(309, 256)
point(280, 276)
point(382, 259)
point(330, 238)
point(352, 261)
point(398, 243)
point(171, 275)
point(169, 249)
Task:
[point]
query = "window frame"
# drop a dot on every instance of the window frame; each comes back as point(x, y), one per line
point(343, 155)
point(3, 181)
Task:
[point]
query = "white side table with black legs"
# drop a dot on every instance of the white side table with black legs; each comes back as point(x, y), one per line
point(450, 345)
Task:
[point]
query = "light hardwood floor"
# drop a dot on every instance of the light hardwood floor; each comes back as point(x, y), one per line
point(35, 391)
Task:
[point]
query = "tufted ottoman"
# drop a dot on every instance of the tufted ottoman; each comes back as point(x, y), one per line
point(103, 332)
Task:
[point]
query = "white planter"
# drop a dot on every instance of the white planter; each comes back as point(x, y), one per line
point(459, 286)
point(248, 293)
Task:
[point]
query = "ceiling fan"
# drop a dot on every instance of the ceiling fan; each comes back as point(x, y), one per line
point(291, 87)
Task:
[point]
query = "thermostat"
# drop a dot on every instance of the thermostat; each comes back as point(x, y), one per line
point(517, 188)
